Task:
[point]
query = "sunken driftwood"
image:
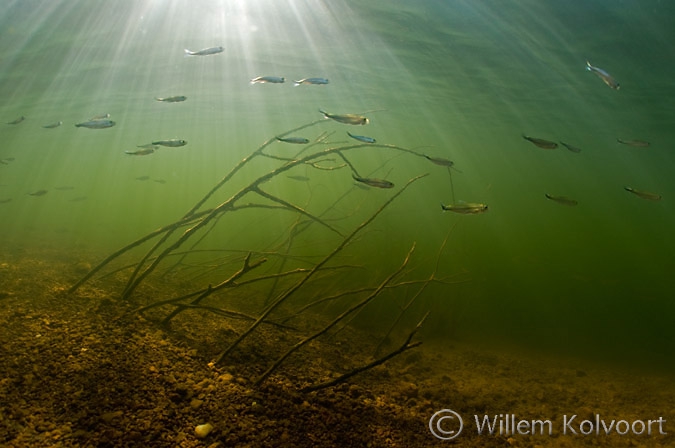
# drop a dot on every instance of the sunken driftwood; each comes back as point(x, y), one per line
point(169, 249)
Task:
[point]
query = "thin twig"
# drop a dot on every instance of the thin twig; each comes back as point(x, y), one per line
point(356, 291)
point(407, 345)
point(344, 314)
point(247, 267)
point(295, 208)
point(133, 244)
point(419, 292)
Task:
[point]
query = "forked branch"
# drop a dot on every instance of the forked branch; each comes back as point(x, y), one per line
point(288, 293)
point(344, 314)
point(407, 345)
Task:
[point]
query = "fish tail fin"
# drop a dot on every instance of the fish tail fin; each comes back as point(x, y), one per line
point(589, 67)
point(628, 189)
point(443, 207)
point(325, 114)
point(297, 83)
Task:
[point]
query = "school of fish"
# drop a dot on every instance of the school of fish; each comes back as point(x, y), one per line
point(104, 121)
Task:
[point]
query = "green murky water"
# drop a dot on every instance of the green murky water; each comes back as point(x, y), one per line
point(461, 80)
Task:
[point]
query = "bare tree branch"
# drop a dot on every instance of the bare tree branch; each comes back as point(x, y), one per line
point(353, 308)
point(407, 345)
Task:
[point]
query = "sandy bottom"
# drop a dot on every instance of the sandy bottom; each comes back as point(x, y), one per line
point(85, 369)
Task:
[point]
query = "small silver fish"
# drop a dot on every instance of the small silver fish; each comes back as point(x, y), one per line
point(299, 178)
point(142, 178)
point(570, 147)
point(465, 208)
point(99, 117)
point(564, 200)
point(540, 142)
point(4, 201)
point(309, 81)
point(205, 51)
point(38, 193)
point(296, 140)
point(372, 182)
point(346, 118)
point(362, 138)
point(634, 143)
point(53, 125)
point(173, 143)
point(172, 99)
point(268, 80)
point(160, 181)
point(142, 152)
point(606, 77)
point(439, 161)
point(644, 194)
point(96, 124)
point(18, 120)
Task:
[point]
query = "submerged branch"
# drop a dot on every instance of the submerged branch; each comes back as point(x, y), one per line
point(358, 291)
point(168, 228)
point(319, 265)
point(245, 160)
point(407, 345)
point(174, 301)
point(208, 215)
point(232, 281)
point(230, 203)
point(295, 208)
point(344, 314)
point(419, 292)
point(191, 215)
point(232, 314)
